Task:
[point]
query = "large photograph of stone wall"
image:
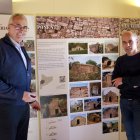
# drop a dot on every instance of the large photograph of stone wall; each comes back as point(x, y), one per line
point(76, 27)
point(84, 68)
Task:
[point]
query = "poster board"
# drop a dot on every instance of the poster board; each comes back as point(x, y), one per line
point(72, 67)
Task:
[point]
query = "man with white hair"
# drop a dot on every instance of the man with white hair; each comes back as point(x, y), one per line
point(15, 80)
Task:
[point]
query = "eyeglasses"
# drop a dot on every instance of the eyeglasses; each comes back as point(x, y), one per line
point(19, 27)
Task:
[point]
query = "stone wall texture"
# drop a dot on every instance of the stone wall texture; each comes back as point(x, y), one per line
point(76, 27)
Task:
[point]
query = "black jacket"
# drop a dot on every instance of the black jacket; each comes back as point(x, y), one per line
point(128, 67)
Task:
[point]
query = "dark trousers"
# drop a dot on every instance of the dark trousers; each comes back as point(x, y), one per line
point(14, 121)
point(130, 110)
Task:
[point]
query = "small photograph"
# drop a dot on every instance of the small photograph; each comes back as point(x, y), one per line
point(110, 96)
point(110, 112)
point(111, 46)
point(78, 48)
point(107, 79)
point(78, 90)
point(53, 106)
point(33, 86)
point(93, 118)
point(84, 68)
point(45, 80)
point(78, 119)
point(95, 89)
point(92, 104)
point(33, 113)
point(96, 48)
point(29, 45)
point(110, 126)
point(76, 106)
point(32, 57)
point(33, 73)
point(108, 61)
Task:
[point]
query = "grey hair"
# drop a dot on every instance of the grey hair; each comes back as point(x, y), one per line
point(15, 15)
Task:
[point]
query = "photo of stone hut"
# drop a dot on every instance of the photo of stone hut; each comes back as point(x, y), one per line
point(92, 104)
point(111, 47)
point(95, 89)
point(54, 106)
point(93, 118)
point(106, 79)
point(110, 126)
point(78, 48)
point(111, 97)
point(108, 61)
point(87, 70)
point(110, 112)
point(78, 120)
point(79, 90)
point(76, 106)
point(96, 48)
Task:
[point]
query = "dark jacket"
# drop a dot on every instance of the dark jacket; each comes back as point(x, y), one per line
point(14, 77)
point(128, 67)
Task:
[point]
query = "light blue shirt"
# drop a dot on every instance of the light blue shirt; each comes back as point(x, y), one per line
point(18, 47)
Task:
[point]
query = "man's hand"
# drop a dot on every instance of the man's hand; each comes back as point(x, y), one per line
point(117, 82)
point(35, 105)
point(29, 97)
